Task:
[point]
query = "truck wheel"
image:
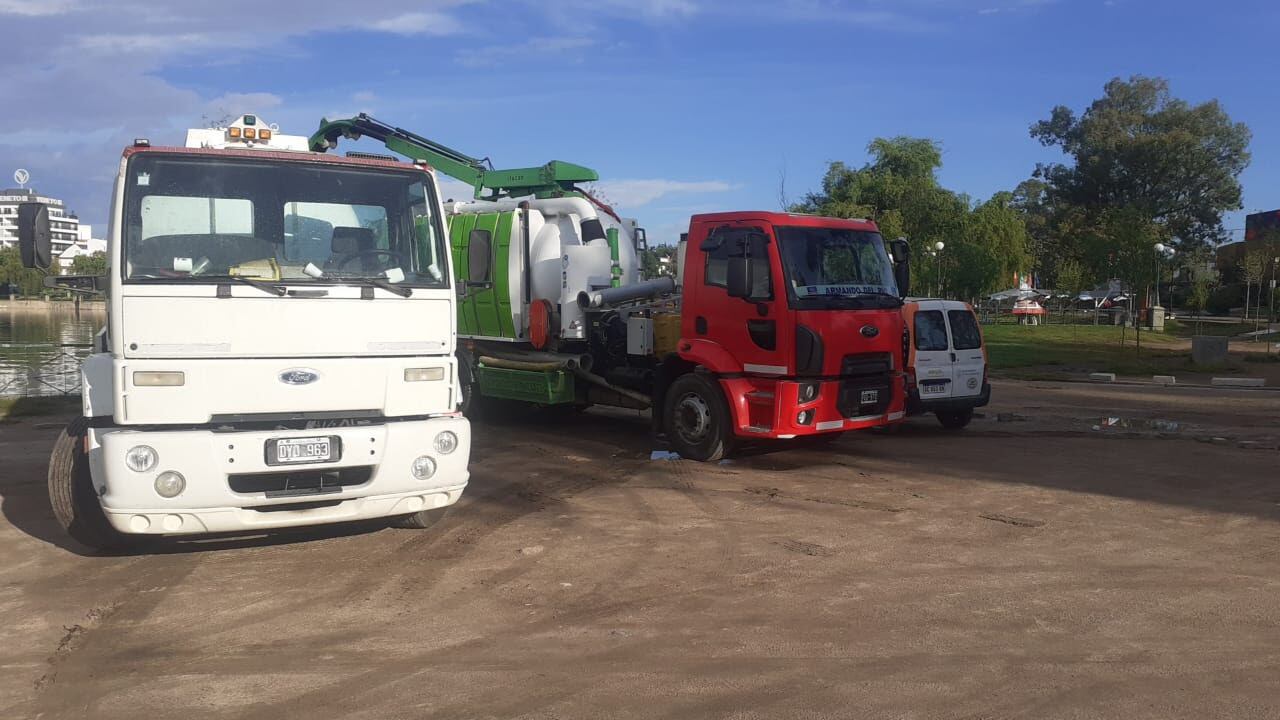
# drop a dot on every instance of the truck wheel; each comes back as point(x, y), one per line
point(72, 495)
point(421, 520)
point(697, 419)
point(955, 419)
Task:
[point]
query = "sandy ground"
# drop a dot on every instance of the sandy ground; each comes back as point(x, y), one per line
point(1029, 566)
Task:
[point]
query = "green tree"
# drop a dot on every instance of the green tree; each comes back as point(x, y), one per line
point(1253, 268)
point(1140, 149)
point(1198, 300)
point(91, 264)
point(27, 281)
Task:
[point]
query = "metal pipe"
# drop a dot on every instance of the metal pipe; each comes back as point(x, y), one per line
point(627, 293)
point(563, 361)
point(594, 379)
point(505, 364)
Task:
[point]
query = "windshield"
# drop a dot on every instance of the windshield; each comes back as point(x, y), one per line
point(824, 262)
point(196, 219)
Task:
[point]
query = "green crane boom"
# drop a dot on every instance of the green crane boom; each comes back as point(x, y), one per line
point(555, 179)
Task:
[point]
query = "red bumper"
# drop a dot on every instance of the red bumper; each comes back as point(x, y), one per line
point(770, 408)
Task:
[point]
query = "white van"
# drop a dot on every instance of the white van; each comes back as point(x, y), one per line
point(946, 361)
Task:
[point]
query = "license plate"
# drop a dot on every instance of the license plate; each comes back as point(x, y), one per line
point(870, 396)
point(934, 389)
point(287, 451)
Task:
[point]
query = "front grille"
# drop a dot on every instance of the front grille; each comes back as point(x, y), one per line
point(295, 483)
point(861, 373)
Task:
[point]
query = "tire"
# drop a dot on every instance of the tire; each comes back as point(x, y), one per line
point(421, 520)
point(955, 419)
point(697, 419)
point(72, 495)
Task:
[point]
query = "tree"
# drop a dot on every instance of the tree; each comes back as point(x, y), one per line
point(1201, 289)
point(1253, 267)
point(91, 264)
point(25, 281)
point(1171, 163)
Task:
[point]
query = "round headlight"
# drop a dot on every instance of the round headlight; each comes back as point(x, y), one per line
point(170, 484)
point(423, 468)
point(445, 442)
point(808, 392)
point(141, 458)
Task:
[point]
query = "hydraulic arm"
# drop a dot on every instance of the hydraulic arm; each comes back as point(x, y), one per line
point(555, 179)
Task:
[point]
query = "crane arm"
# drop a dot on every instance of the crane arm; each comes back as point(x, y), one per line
point(554, 179)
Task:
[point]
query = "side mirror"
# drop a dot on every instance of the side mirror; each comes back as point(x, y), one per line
point(641, 239)
point(479, 256)
point(35, 239)
point(900, 249)
point(743, 275)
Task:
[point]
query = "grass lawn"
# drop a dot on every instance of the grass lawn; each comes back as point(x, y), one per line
point(12, 407)
point(1047, 350)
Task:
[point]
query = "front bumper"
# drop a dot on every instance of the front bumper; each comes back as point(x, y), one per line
point(209, 459)
point(773, 408)
point(917, 406)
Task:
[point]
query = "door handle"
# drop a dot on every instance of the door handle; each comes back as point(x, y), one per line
point(953, 357)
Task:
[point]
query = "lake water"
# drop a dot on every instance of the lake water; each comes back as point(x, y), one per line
point(41, 347)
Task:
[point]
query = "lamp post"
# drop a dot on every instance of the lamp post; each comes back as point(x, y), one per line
point(1161, 251)
point(937, 252)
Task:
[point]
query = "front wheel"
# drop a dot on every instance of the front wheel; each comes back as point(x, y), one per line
point(955, 419)
point(697, 418)
point(422, 519)
point(72, 495)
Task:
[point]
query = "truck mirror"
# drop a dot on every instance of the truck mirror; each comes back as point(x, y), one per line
point(479, 256)
point(35, 239)
point(743, 276)
point(901, 251)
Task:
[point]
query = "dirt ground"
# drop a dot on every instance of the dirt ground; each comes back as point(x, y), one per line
point(1030, 566)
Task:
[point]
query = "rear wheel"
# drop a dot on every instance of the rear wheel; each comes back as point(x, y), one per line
point(421, 520)
point(72, 495)
point(955, 419)
point(697, 418)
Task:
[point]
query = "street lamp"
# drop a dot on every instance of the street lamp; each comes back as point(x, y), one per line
point(1161, 251)
point(937, 252)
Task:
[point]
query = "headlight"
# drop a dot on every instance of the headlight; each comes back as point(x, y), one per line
point(158, 379)
point(445, 442)
point(170, 484)
point(808, 392)
point(423, 468)
point(423, 374)
point(804, 417)
point(141, 458)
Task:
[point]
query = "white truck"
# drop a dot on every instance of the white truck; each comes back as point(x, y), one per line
point(279, 346)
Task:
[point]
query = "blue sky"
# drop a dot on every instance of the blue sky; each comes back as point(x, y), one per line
point(682, 106)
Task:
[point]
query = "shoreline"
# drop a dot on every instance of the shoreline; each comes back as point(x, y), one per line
point(95, 304)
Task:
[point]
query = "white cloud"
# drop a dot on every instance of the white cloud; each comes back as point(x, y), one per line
point(418, 23)
point(635, 193)
point(35, 8)
point(537, 47)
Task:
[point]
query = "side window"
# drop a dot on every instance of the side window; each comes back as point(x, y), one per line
point(725, 243)
point(930, 330)
point(964, 329)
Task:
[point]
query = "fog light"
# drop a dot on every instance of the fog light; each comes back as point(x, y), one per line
point(423, 468)
point(141, 458)
point(805, 417)
point(445, 442)
point(808, 392)
point(170, 484)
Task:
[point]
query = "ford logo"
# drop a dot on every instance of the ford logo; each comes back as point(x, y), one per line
point(870, 331)
point(299, 376)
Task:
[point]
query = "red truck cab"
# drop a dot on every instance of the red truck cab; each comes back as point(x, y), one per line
point(790, 326)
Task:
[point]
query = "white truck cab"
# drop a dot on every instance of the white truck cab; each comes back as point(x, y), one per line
point(946, 360)
point(279, 348)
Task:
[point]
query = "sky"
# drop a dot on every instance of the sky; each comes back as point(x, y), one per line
point(682, 106)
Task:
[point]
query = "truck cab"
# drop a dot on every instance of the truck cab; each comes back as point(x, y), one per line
point(790, 326)
point(278, 349)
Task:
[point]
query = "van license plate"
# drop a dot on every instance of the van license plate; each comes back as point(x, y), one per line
point(934, 389)
point(870, 396)
point(286, 451)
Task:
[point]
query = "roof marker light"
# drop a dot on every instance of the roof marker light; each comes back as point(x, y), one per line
point(233, 132)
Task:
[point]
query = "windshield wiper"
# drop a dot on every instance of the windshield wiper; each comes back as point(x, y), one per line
point(277, 290)
point(381, 283)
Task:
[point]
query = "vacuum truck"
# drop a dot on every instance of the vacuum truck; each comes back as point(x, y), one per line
point(774, 326)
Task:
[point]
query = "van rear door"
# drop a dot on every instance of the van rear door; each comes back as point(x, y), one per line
point(966, 341)
point(934, 368)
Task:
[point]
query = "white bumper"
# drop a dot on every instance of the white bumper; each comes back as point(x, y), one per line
point(208, 460)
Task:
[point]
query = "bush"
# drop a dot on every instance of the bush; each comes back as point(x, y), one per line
point(1225, 297)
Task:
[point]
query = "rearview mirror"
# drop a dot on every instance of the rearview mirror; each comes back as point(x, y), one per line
point(479, 256)
point(900, 249)
point(743, 277)
point(35, 239)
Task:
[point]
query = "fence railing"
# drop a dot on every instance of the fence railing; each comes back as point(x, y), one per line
point(41, 369)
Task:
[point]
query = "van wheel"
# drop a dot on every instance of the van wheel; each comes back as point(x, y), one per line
point(955, 419)
point(421, 520)
point(697, 419)
point(72, 495)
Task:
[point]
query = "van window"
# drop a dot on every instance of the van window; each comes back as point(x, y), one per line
point(964, 330)
point(930, 330)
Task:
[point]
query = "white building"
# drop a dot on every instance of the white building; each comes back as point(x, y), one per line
point(65, 225)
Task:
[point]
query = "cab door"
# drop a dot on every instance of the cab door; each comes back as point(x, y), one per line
point(750, 329)
point(969, 357)
point(935, 377)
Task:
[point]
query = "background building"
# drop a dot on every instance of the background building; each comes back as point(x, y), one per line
point(65, 225)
